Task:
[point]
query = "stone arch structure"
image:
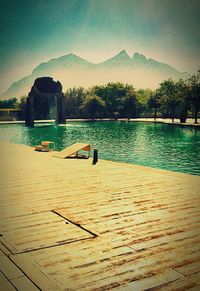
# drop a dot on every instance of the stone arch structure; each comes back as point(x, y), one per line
point(43, 89)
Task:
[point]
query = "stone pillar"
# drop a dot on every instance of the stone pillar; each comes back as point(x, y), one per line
point(43, 88)
point(29, 112)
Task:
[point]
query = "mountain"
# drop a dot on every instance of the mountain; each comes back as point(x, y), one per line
point(71, 70)
point(141, 60)
point(120, 60)
point(66, 62)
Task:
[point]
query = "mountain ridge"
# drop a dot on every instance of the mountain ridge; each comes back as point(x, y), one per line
point(72, 70)
point(63, 61)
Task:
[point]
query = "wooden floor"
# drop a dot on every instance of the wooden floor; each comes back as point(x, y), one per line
point(68, 225)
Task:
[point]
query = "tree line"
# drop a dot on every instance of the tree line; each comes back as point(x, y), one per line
point(173, 99)
point(177, 98)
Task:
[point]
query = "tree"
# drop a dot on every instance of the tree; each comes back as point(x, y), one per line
point(129, 107)
point(9, 103)
point(169, 96)
point(112, 96)
point(129, 103)
point(154, 102)
point(93, 106)
point(143, 96)
point(116, 96)
point(74, 98)
point(194, 94)
point(182, 96)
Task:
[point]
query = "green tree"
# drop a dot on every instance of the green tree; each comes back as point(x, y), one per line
point(74, 98)
point(113, 98)
point(93, 106)
point(9, 103)
point(154, 102)
point(129, 107)
point(116, 96)
point(169, 96)
point(143, 96)
point(182, 96)
point(194, 94)
point(129, 102)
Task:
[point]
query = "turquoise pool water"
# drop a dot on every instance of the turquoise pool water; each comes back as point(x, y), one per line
point(162, 146)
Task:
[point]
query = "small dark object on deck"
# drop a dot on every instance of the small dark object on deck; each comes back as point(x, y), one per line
point(95, 157)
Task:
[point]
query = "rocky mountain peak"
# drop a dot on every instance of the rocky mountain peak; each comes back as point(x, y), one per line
point(122, 58)
point(123, 53)
point(139, 58)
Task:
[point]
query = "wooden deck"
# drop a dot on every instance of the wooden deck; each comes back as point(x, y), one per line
point(69, 225)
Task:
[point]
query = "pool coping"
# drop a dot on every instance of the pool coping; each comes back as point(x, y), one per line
point(168, 121)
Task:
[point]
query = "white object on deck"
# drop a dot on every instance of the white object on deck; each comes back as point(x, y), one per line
point(72, 151)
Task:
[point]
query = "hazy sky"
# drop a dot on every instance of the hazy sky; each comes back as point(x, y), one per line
point(36, 31)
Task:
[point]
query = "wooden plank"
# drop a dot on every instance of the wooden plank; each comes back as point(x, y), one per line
point(181, 284)
point(24, 284)
point(33, 272)
point(3, 249)
point(192, 268)
point(151, 282)
point(7, 286)
point(195, 278)
point(9, 269)
point(40, 230)
point(3, 279)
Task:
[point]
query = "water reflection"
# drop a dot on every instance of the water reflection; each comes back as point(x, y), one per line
point(51, 132)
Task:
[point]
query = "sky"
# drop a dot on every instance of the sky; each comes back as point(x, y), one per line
point(36, 31)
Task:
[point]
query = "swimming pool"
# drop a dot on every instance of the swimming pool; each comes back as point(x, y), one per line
point(156, 145)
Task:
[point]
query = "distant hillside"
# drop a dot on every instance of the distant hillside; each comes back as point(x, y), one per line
point(72, 70)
